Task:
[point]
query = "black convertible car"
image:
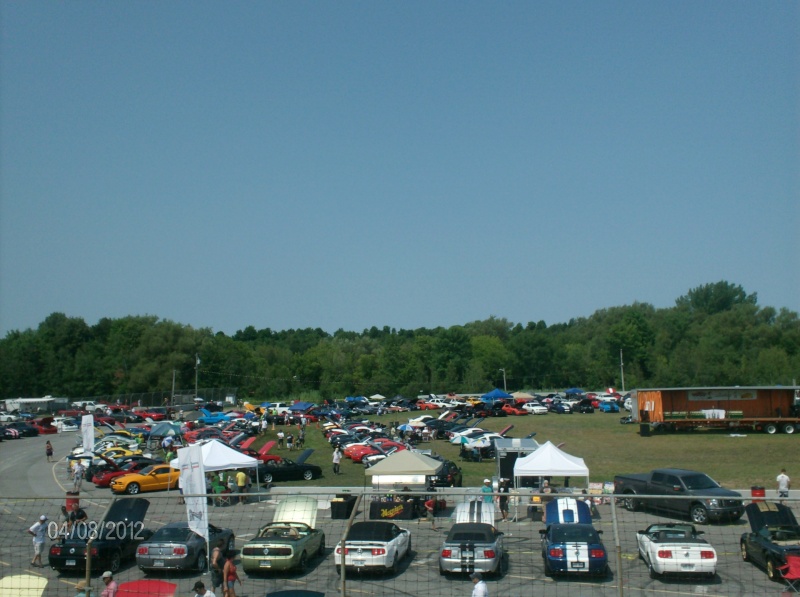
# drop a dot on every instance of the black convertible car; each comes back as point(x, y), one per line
point(774, 533)
point(287, 470)
point(118, 536)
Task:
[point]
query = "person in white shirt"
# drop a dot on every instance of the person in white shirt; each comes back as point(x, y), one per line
point(39, 532)
point(200, 589)
point(784, 483)
point(479, 588)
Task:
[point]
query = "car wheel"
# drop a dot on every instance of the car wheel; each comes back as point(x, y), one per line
point(132, 489)
point(631, 504)
point(408, 551)
point(115, 562)
point(231, 546)
point(652, 571)
point(772, 572)
point(743, 550)
point(788, 428)
point(770, 428)
point(303, 565)
point(321, 550)
point(308, 475)
point(442, 571)
point(699, 514)
point(268, 478)
point(339, 570)
point(393, 567)
point(201, 562)
point(547, 571)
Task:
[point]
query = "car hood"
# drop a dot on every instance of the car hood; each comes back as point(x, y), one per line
point(304, 456)
point(297, 508)
point(769, 514)
point(567, 510)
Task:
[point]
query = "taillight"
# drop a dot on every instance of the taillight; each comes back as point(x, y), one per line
point(55, 550)
point(556, 552)
point(665, 554)
point(706, 555)
point(488, 553)
point(597, 553)
point(142, 551)
point(179, 551)
point(378, 551)
point(339, 550)
point(94, 551)
point(447, 553)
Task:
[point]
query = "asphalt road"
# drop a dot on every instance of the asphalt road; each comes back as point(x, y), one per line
point(25, 474)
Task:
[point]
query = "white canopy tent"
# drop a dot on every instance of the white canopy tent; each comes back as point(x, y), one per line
point(219, 457)
point(404, 469)
point(549, 461)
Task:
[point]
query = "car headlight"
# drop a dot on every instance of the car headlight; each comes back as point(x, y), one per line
point(713, 503)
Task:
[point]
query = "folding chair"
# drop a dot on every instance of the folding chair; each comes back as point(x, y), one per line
point(223, 496)
point(790, 572)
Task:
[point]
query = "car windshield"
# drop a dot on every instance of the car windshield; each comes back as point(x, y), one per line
point(699, 481)
point(172, 534)
point(575, 534)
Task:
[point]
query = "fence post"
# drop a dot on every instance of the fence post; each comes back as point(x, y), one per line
point(617, 545)
point(343, 545)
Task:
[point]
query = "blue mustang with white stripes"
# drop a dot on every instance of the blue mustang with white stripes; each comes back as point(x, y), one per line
point(570, 544)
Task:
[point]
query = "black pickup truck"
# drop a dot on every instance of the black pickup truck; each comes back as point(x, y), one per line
point(704, 499)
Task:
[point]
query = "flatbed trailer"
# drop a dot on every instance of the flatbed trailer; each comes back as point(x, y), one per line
point(767, 425)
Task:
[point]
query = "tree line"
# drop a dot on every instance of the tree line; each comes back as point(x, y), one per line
point(715, 335)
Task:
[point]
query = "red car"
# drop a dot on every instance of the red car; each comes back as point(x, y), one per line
point(513, 410)
point(45, 425)
point(103, 478)
point(359, 454)
point(427, 406)
point(196, 435)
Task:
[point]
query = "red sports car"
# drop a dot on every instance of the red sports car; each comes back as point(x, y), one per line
point(45, 425)
point(513, 410)
point(360, 452)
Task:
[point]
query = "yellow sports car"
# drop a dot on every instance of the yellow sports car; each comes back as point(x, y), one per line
point(153, 478)
point(118, 452)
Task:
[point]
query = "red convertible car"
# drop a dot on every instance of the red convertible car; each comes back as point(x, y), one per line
point(513, 410)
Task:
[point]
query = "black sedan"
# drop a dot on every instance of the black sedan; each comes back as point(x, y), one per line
point(287, 470)
point(774, 534)
point(177, 547)
point(118, 536)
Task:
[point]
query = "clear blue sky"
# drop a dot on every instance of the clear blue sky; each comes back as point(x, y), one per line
point(409, 164)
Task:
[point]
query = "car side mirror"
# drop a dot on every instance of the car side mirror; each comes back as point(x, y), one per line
point(677, 488)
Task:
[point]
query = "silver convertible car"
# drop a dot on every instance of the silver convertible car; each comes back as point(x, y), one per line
point(472, 547)
point(177, 547)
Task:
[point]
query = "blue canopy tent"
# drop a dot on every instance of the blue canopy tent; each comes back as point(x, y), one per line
point(301, 406)
point(574, 391)
point(495, 395)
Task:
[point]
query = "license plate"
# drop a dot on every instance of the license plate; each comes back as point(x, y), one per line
point(577, 564)
point(70, 562)
point(687, 566)
point(158, 563)
point(265, 563)
point(358, 562)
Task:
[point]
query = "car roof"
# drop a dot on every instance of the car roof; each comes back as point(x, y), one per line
point(371, 531)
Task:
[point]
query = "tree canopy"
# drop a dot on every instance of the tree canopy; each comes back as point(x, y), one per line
point(714, 335)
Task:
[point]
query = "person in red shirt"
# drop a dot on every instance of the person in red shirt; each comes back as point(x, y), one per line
point(429, 507)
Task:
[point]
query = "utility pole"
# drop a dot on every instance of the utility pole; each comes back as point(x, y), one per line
point(622, 370)
point(196, 367)
point(173, 388)
point(505, 389)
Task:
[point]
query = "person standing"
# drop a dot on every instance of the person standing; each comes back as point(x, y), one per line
point(217, 565)
point(48, 449)
point(784, 484)
point(241, 485)
point(430, 506)
point(487, 492)
point(280, 439)
point(502, 499)
point(39, 532)
point(479, 588)
point(337, 458)
point(290, 442)
point(111, 585)
point(77, 476)
point(230, 575)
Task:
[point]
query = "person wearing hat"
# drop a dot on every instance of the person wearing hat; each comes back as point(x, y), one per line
point(111, 585)
point(200, 589)
point(487, 491)
point(81, 588)
point(39, 532)
point(479, 588)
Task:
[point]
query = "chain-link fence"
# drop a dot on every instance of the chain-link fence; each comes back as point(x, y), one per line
point(637, 549)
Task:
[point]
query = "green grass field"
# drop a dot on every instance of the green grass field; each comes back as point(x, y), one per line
point(607, 447)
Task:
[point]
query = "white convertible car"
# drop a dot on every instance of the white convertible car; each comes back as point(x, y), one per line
point(373, 545)
point(677, 549)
